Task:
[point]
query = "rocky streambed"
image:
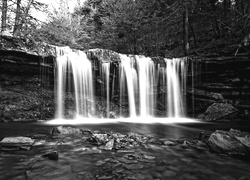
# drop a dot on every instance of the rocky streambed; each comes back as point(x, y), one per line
point(123, 151)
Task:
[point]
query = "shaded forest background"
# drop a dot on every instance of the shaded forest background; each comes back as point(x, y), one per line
point(153, 28)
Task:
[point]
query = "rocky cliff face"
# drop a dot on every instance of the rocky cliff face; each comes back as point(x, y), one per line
point(26, 94)
point(221, 80)
point(27, 82)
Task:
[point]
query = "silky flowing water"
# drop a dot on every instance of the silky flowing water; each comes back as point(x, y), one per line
point(165, 162)
point(76, 62)
point(140, 80)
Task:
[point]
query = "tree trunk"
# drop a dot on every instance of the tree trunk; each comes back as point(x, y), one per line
point(248, 6)
point(18, 15)
point(218, 27)
point(194, 36)
point(185, 29)
point(4, 16)
point(243, 7)
point(19, 26)
point(225, 9)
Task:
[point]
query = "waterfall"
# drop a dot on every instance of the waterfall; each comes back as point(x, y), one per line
point(81, 68)
point(146, 69)
point(128, 77)
point(142, 77)
point(174, 98)
point(105, 74)
point(143, 85)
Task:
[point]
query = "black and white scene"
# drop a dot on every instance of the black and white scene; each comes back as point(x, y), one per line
point(125, 90)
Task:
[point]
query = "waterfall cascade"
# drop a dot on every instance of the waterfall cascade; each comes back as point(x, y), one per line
point(143, 84)
point(76, 62)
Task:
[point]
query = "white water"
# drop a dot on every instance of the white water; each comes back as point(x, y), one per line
point(142, 77)
point(105, 71)
point(140, 82)
point(128, 77)
point(137, 120)
point(174, 98)
point(147, 81)
point(81, 68)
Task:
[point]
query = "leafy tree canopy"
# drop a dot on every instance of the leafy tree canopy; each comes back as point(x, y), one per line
point(149, 27)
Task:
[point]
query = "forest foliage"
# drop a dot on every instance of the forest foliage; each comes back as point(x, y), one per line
point(16, 16)
point(149, 27)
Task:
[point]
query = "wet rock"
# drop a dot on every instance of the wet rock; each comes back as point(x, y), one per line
point(128, 141)
point(181, 141)
point(88, 150)
point(39, 142)
point(148, 157)
point(86, 132)
point(134, 156)
point(137, 137)
point(100, 163)
point(114, 111)
point(103, 55)
point(126, 151)
point(217, 111)
point(109, 145)
point(197, 144)
point(99, 139)
point(169, 143)
point(227, 143)
point(20, 139)
point(66, 130)
point(113, 115)
point(51, 155)
point(203, 136)
point(216, 96)
point(16, 143)
point(152, 146)
point(243, 137)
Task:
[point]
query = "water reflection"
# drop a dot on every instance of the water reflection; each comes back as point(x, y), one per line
point(81, 160)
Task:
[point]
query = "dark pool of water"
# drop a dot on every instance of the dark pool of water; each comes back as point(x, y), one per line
point(170, 162)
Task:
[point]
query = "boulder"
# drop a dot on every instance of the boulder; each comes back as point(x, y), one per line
point(217, 111)
point(99, 138)
point(16, 143)
point(109, 145)
point(231, 143)
point(243, 137)
point(51, 155)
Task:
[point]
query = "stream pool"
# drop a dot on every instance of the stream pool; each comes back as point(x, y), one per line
point(149, 161)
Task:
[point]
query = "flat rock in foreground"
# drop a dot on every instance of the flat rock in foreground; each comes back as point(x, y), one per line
point(16, 143)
